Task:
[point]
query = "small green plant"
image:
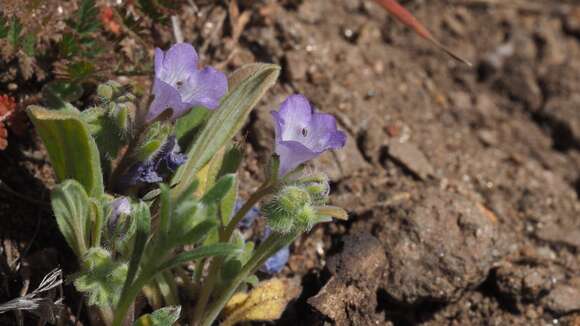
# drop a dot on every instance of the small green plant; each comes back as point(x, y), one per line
point(141, 183)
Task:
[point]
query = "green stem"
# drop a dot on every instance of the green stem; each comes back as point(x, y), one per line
point(128, 297)
point(274, 243)
point(216, 263)
point(264, 190)
point(198, 274)
point(97, 226)
point(206, 290)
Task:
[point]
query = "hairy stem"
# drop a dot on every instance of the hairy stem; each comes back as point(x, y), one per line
point(128, 297)
point(264, 190)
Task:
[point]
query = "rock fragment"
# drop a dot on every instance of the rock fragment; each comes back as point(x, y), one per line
point(412, 158)
point(524, 283)
point(565, 298)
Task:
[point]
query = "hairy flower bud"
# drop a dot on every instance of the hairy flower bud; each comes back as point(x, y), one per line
point(105, 91)
point(290, 210)
point(109, 90)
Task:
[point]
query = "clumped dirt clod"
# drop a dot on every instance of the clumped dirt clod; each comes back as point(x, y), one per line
point(349, 297)
point(438, 245)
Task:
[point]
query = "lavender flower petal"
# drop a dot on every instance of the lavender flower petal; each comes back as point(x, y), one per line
point(302, 134)
point(176, 63)
point(180, 85)
point(276, 263)
point(205, 88)
point(166, 98)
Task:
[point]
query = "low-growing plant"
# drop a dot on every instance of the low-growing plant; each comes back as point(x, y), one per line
point(148, 188)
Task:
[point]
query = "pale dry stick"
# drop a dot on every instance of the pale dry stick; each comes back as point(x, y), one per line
point(214, 34)
point(538, 7)
point(177, 33)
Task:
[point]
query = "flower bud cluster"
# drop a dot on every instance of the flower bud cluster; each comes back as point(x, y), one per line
point(293, 209)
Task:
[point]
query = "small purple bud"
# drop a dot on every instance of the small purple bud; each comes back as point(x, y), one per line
point(180, 85)
point(166, 160)
point(302, 134)
point(119, 206)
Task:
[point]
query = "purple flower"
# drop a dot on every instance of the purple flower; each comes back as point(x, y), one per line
point(167, 159)
point(119, 206)
point(276, 263)
point(179, 84)
point(302, 134)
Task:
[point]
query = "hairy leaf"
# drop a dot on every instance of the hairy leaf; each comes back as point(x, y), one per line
point(72, 151)
point(218, 249)
point(70, 205)
point(219, 190)
point(87, 20)
point(143, 219)
point(186, 126)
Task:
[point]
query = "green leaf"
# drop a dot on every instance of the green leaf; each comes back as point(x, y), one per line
point(165, 210)
point(230, 269)
point(80, 71)
point(58, 92)
point(72, 151)
point(101, 278)
point(166, 284)
point(106, 133)
point(218, 249)
point(228, 204)
point(70, 205)
point(197, 233)
point(247, 85)
point(14, 32)
point(68, 45)
point(165, 316)
point(143, 219)
point(28, 43)
point(97, 217)
point(87, 19)
point(232, 160)
point(186, 126)
point(219, 190)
